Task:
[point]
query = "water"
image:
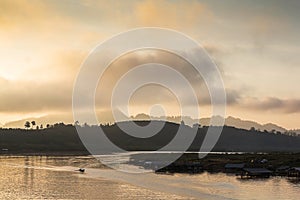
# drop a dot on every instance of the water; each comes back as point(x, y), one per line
point(37, 177)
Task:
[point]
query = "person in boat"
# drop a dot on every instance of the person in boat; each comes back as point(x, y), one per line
point(81, 170)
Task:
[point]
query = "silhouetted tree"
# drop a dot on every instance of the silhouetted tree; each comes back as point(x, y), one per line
point(33, 123)
point(48, 125)
point(41, 126)
point(278, 132)
point(252, 129)
point(27, 124)
point(86, 125)
point(196, 125)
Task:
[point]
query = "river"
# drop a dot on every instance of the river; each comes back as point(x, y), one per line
point(54, 177)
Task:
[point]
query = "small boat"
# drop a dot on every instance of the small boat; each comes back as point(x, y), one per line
point(82, 170)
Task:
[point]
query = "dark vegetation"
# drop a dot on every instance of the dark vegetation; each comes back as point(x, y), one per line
point(61, 139)
point(58, 138)
point(215, 162)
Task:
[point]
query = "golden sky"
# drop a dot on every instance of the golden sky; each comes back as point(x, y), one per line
point(254, 43)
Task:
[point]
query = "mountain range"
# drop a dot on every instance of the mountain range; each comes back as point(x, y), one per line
point(229, 121)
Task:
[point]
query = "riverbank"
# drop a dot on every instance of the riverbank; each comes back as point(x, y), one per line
point(190, 162)
point(44, 153)
point(216, 162)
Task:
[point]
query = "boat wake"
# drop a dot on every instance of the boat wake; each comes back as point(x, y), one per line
point(182, 185)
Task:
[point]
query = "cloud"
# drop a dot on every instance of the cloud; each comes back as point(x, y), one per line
point(44, 42)
point(30, 96)
point(151, 93)
point(171, 14)
point(178, 14)
point(286, 106)
point(68, 62)
point(31, 15)
point(50, 89)
point(19, 12)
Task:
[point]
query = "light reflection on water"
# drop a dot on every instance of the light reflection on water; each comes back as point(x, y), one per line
point(37, 177)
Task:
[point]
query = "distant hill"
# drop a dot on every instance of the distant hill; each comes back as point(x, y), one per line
point(245, 124)
point(296, 131)
point(229, 121)
point(64, 138)
point(47, 119)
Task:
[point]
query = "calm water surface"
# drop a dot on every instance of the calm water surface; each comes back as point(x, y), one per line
point(41, 177)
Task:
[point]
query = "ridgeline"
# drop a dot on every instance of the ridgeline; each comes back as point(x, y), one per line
point(64, 139)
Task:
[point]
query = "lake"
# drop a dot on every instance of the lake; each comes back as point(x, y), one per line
point(54, 177)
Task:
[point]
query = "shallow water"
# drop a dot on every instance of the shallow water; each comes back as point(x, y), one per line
point(37, 177)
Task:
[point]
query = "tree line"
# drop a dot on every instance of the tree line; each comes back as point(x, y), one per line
point(33, 125)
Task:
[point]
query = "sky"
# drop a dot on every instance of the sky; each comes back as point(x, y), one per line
point(254, 43)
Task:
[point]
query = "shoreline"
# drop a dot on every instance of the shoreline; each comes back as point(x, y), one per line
point(49, 153)
point(211, 163)
point(186, 154)
point(205, 185)
point(215, 163)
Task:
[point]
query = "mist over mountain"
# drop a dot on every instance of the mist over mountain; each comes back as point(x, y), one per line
point(44, 120)
point(229, 121)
